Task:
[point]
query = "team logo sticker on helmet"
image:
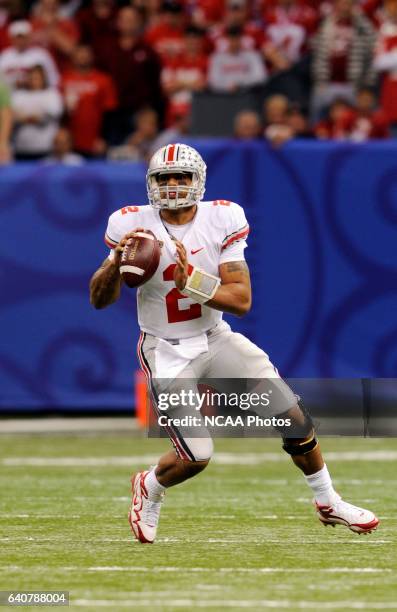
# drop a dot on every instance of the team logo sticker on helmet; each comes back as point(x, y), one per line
point(176, 159)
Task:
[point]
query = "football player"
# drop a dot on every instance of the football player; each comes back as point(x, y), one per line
point(202, 273)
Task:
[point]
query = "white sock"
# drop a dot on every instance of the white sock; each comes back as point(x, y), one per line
point(321, 485)
point(154, 488)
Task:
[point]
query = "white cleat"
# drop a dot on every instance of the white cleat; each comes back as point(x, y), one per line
point(357, 519)
point(144, 514)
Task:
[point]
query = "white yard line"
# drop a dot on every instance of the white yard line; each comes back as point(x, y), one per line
point(67, 425)
point(55, 517)
point(219, 458)
point(245, 570)
point(62, 539)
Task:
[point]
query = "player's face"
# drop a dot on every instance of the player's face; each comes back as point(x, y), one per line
point(174, 179)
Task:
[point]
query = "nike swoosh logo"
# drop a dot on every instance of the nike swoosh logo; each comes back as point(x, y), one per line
point(193, 252)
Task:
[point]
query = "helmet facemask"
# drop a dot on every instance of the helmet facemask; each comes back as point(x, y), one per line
point(177, 159)
point(163, 195)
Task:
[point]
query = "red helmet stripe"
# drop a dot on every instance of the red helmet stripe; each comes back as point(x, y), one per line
point(170, 156)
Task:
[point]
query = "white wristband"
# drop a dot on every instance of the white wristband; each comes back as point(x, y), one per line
point(201, 286)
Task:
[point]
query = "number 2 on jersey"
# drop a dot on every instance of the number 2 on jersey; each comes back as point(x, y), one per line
point(172, 301)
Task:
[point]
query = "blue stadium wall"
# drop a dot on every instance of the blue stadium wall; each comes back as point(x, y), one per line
point(322, 252)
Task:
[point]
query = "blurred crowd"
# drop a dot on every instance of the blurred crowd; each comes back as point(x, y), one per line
point(115, 79)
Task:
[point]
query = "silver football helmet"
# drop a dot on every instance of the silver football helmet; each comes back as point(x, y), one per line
point(174, 159)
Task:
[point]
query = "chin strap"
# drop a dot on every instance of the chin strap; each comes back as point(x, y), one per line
point(201, 286)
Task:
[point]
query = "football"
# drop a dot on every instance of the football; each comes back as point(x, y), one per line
point(140, 258)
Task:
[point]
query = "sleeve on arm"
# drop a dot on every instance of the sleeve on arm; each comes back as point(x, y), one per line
point(234, 242)
point(235, 252)
point(113, 233)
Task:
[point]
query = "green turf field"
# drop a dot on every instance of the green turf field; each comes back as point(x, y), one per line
point(242, 535)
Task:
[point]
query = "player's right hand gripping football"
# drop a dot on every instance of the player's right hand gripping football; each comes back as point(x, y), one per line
point(119, 248)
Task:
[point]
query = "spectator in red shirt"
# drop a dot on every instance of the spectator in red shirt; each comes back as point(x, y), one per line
point(237, 16)
point(358, 124)
point(185, 74)
point(288, 27)
point(50, 30)
point(97, 24)
point(336, 125)
point(89, 94)
point(206, 13)
point(386, 61)
point(368, 121)
point(342, 55)
point(135, 68)
point(167, 37)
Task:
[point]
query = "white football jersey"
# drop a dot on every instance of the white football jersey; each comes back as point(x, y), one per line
point(216, 235)
point(14, 65)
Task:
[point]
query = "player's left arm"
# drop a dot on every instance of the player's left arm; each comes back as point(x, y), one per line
point(233, 294)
